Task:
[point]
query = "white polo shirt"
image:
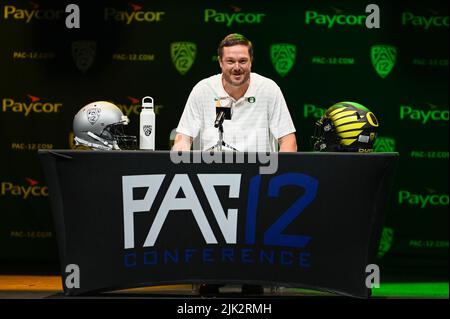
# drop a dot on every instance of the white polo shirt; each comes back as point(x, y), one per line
point(259, 118)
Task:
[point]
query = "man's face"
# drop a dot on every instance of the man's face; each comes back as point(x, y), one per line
point(236, 64)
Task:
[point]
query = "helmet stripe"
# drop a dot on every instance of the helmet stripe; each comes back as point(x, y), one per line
point(342, 114)
point(337, 110)
point(350, 134)
point(347, 141)
point(348, 127)
point(347, 119)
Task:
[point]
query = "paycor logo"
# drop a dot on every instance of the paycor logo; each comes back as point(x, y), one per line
point(34, 106)
point(422, 200)
point(423, 116)
point(426, 22)
point(28, 15)
point(330, 21)
point(371, 20)
point(33, 189)
point(136, 15)
point(229, 19)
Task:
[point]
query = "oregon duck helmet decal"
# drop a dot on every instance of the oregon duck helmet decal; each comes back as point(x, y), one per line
point(346, 127)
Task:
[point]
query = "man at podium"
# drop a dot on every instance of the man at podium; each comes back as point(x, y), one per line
point(258, 118)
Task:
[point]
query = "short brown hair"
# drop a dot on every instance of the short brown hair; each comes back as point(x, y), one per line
point(235, 39)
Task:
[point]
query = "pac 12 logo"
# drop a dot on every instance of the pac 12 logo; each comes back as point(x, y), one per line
point(291, 248)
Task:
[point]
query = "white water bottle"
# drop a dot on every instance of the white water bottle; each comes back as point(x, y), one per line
point(147, 125)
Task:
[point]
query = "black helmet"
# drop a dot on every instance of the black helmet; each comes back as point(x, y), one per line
point(346, 127)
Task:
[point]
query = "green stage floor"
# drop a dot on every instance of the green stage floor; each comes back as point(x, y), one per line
point(414, 290)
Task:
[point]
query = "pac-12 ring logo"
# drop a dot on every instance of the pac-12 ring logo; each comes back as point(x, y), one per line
point(147, 130)
point(183, 55)
point(383, 59)
point(283, 57)
point(93, 114)
point(83, 54)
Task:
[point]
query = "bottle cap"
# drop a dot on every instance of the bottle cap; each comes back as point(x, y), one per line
point(146, 103)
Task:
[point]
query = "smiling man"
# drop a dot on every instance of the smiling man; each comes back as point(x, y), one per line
point(260, 117)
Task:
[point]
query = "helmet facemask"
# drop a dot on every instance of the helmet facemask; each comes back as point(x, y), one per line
point(325, 138)
point(115, 132)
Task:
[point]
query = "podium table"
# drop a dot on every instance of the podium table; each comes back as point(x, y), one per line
point(127, 219)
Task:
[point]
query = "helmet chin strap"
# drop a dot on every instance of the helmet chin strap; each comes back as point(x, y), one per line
point(107, 146)
point(79, 141)
point(112, 146)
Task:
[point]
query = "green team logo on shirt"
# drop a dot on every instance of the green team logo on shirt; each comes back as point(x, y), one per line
point(383, 59)
point(183, 55)
point(283, 57)
point(384, 144)
point(387, 236)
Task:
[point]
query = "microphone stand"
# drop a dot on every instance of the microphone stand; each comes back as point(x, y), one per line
point(220, 142)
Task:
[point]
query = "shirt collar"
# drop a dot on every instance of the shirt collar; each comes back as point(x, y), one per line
point(221, 93)
point(251, 90)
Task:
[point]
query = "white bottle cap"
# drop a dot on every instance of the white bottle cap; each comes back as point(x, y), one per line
point(147, 104)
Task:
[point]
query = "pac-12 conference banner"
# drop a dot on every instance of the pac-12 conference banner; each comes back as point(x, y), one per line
point(127, 219)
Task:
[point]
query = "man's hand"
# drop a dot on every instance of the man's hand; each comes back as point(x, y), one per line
point(288, 143)
point(182, 143)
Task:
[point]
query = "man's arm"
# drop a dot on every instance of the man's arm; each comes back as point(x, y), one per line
point(182, 143)
point(288, 143)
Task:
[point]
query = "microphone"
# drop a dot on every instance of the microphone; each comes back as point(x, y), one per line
point(223, 111)
point(219, 118)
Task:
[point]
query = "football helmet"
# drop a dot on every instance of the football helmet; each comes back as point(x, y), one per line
point(346, 127)
point(99, 125)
